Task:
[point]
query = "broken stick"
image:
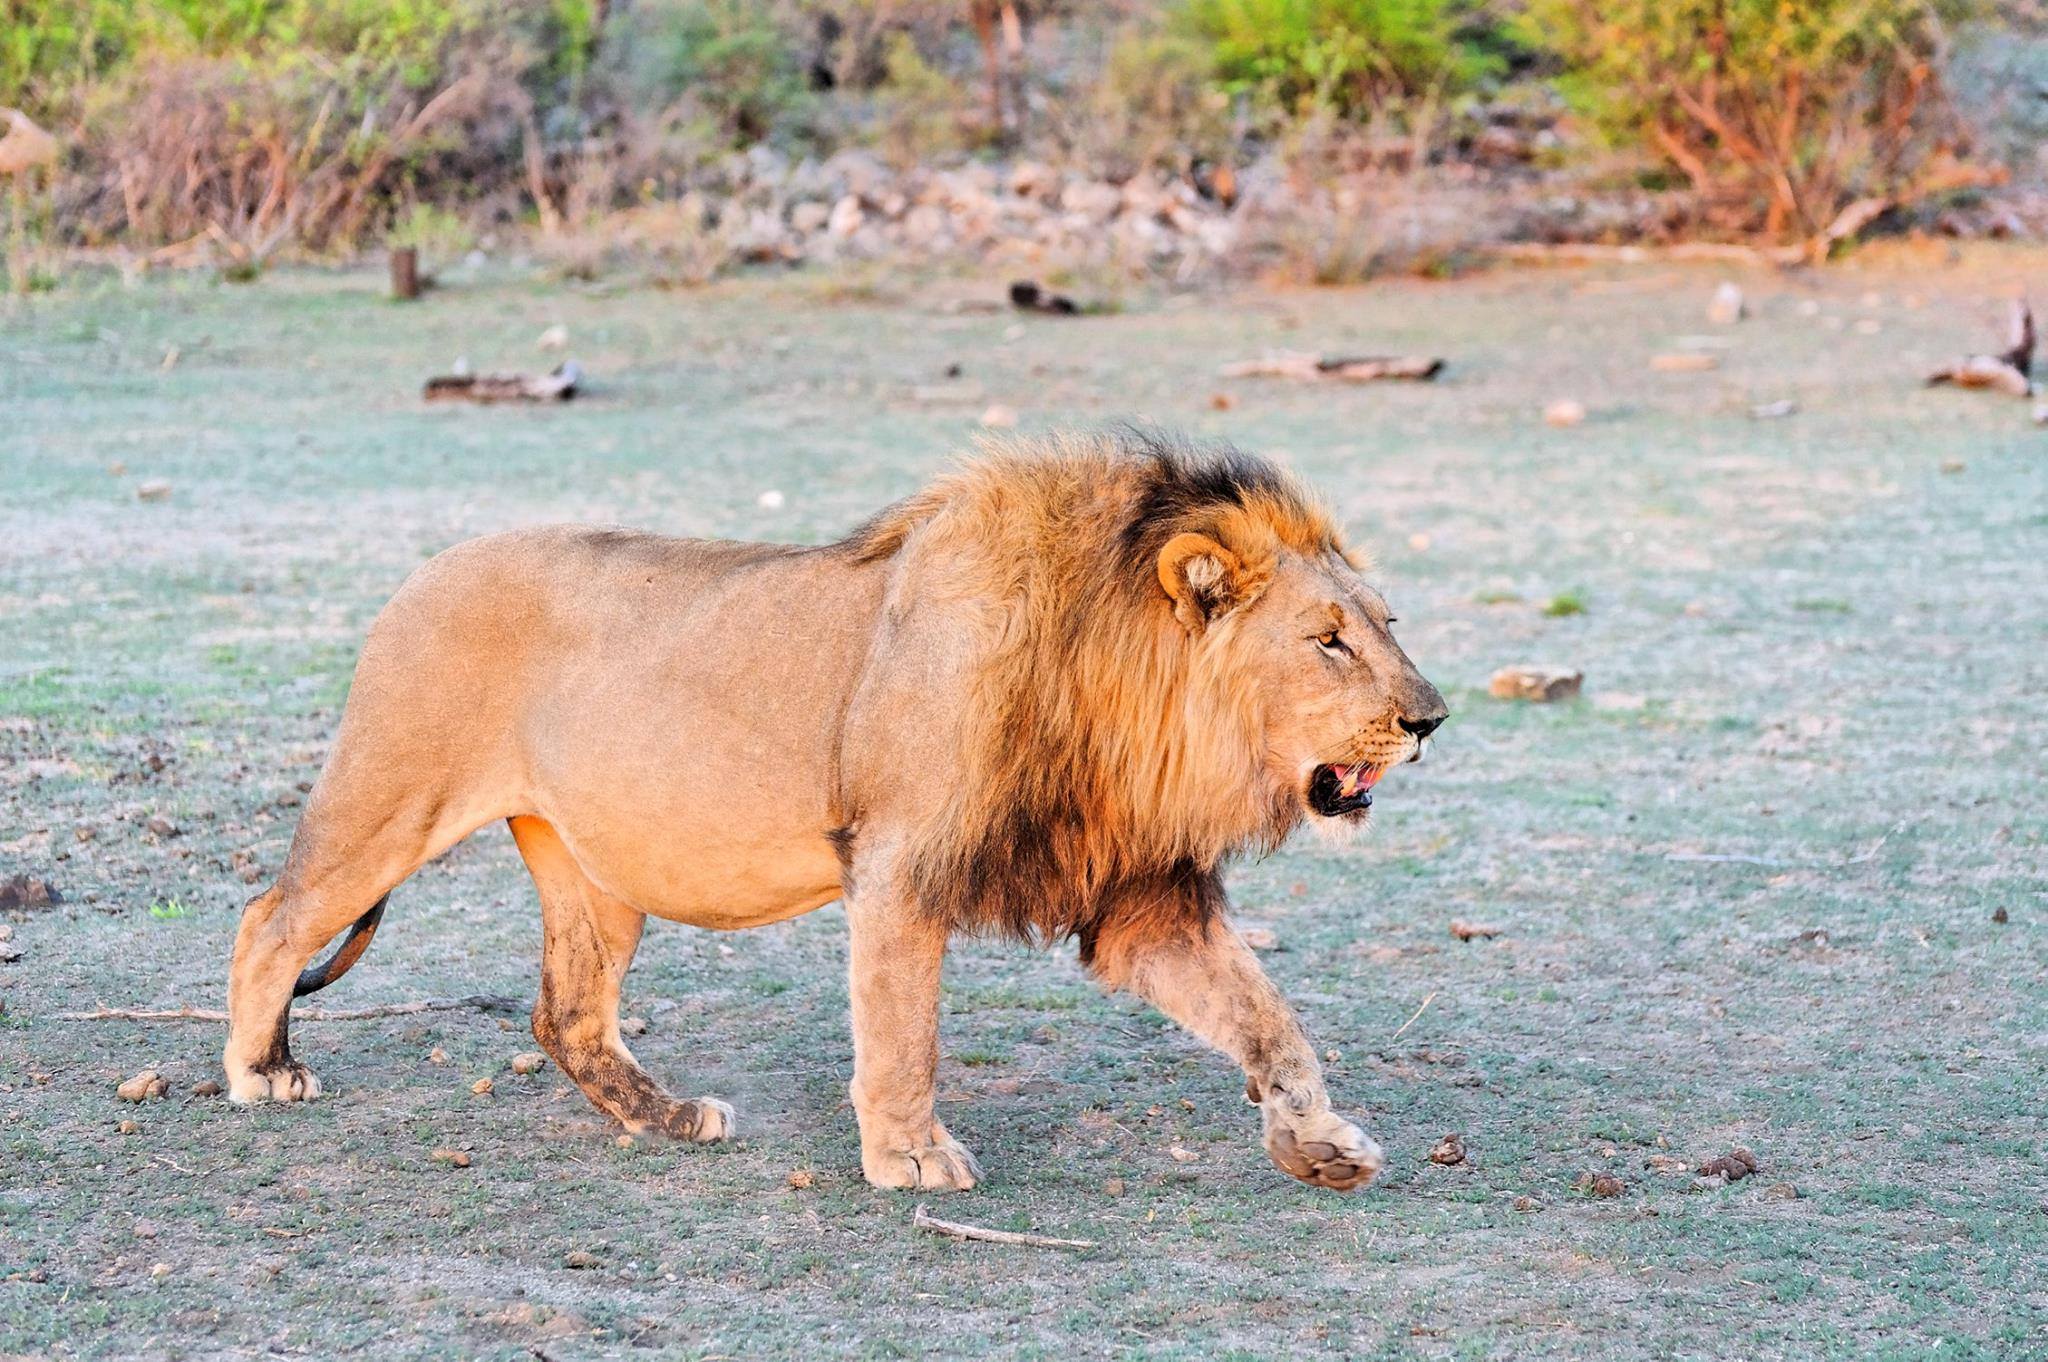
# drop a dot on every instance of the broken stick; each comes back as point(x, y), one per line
point(1336, 368)
point(955, 1230)
point(482, 1002)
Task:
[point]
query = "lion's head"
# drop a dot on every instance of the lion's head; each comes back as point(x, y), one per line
point(1339, 701)
point(1188, 665)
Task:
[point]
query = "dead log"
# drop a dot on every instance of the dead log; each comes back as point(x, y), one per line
point(1027, 296)
point(1306, 368)
point(2010, 371)
point(557, 386)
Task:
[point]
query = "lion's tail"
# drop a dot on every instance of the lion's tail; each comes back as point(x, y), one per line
point(319, 976)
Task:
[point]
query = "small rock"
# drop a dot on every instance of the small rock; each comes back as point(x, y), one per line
point(482, 1087)
point(1113, 1187)
point(437, 1056)
point(1727, 307)
point(1471, 931)
point(770, 500)
point(144, 1229)
point(1683, 362)
point(1734, 1166)
point(634, 1026)
point(1221, 401)
point(624, 1142)
point(555, 337)
point(1564, 412)
point(1259, 938)
point(161, 826)
point(1449, 1151)
point(846, 217)
point(1781, 1191)
point(85, 832)
point(1181, 1155)
point(456, 1158)
point(1540, 685)
point(529, 1062)
point(9, 953)
point(153, 489)
point(1526, 1204)
point(159, 1270)
point(28, 891)
point(579, 1259)
point(1604, 1185)
point(206, 1087)
point(146, 1086)
point(999, 417)
point(2000, 916)
point(1666, 1163)
point(1953, 465)
point(128, 1127)
point(800, 1179)
point(1771, 411)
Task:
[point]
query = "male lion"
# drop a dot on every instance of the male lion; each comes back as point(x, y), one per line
point(1048, 696)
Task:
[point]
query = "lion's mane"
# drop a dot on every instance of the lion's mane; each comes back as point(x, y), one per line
point(1111, 759)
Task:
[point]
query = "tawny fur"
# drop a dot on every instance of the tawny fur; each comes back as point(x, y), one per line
point(1047, 696)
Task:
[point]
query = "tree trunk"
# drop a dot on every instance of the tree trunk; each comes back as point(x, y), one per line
point(405, 272)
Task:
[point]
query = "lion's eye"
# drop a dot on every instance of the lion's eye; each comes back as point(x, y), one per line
point(1331, 642)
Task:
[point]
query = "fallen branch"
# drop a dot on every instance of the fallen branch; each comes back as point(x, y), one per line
point(558, 386)
point(1337, 369)
point(481, 1002)
point(953, 1229)
point(2010, 371)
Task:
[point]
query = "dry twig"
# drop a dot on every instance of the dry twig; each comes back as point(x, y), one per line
point(482, 1002)
point(953, 1229)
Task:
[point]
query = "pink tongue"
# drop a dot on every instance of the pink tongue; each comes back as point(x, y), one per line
point(1369, 776)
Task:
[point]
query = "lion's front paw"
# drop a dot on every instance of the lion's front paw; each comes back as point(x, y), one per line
point(1324, 1150)
point(710, 1120)
point(290, 1081)
point(942, 1166)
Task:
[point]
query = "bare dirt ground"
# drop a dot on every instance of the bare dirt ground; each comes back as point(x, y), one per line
point(1776, 881)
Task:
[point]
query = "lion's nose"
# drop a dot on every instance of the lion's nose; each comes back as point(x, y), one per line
point(1426, 725)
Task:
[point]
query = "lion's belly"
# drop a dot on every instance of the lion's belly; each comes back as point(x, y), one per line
point(683, 742)
point(719, 876)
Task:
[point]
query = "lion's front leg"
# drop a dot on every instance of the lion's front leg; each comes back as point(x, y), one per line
point(1206, 978)
point(895, 954)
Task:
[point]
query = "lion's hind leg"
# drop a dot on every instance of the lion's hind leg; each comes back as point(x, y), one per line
point(588, 939)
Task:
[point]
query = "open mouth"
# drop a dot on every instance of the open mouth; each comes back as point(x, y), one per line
point(1334, 791)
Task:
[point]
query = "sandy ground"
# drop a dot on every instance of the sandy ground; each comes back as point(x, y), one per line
point(1746, 885)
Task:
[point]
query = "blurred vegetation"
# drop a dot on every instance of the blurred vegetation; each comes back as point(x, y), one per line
point(1781, 113)
point(321, 124)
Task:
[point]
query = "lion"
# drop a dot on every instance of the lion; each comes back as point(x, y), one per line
point(1048, 697)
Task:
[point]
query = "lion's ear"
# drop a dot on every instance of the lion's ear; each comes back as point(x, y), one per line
point(1204, 580)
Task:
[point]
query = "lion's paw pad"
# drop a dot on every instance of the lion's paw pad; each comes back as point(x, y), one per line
point(1324, 1150)
point(942, 1167)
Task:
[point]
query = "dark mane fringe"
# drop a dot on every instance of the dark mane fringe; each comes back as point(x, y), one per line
point(1099, 784)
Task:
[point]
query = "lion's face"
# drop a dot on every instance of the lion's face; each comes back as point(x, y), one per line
point(1342, 702)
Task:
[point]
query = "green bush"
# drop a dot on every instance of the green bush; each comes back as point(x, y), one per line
point(1779, 112)
point(726, 60)
point(1346, 56)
